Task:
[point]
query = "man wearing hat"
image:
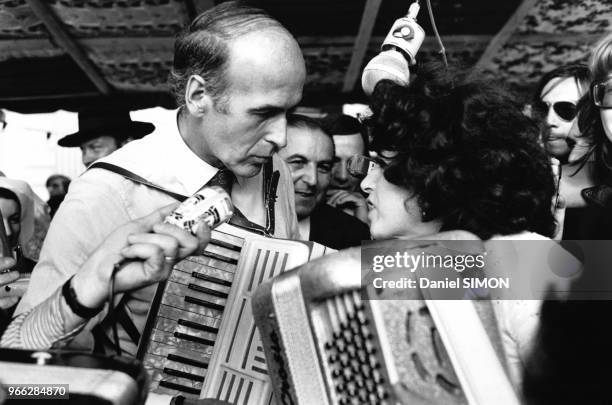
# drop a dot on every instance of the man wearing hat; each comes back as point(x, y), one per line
point(101, 132)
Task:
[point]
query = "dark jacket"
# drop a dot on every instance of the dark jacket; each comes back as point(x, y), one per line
point(594, 221)
point(336, 229)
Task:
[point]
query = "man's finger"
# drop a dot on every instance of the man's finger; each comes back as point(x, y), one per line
point(155, 217)
point(203, 235)
point(168, 243)
point(6, 263)
point(8, 302)
point(9, 277)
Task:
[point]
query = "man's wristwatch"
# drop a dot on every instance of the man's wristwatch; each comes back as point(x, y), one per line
point(71, 299)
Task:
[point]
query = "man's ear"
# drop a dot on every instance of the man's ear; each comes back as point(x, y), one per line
point(197, 99)
point(124, 141)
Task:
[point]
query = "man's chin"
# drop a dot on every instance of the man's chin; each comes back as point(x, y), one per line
point(304, 207)
point(557, 148)
point(246, 169)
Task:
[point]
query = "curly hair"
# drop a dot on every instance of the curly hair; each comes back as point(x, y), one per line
point(466, 152)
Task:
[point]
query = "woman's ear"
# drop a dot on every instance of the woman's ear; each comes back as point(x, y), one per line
point(197, 99)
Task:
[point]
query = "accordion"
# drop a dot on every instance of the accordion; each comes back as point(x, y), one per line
point(328, 342)
point(200, 339)
point(87, 378)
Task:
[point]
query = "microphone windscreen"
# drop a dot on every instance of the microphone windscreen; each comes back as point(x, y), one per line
point(210, 205)
point(390, 65)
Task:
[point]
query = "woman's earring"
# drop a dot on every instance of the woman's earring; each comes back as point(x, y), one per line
point(424, 216)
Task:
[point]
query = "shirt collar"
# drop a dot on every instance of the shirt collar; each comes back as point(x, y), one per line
point(191, 171)
point(164, 159)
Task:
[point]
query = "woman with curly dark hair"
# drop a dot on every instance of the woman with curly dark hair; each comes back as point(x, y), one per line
point(460, 155)
point(455, 156)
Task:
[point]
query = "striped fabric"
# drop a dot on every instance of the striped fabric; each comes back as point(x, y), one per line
point(40, 328)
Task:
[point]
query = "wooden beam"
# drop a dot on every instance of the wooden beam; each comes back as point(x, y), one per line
point(202, 5)
point(56, 28)
point(48, 96)
point(197, 7)
point(503, 35)
point(362, 41)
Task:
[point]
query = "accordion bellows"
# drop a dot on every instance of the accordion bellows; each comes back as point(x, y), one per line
point(327, 343)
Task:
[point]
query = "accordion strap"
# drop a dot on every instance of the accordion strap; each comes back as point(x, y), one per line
point(136, 178)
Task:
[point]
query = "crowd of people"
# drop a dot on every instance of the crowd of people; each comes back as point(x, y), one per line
point(444, 153)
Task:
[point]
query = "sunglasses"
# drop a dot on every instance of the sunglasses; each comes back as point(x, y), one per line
point(565, 110)
point(602, 94)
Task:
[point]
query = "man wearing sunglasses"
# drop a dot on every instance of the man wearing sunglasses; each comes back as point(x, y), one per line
point(557, 96)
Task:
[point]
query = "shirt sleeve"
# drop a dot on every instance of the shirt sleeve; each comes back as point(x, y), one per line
point(92, 209)
point(39, 328)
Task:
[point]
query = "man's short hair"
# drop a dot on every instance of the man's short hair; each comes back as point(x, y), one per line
point(303, 121)
point(202, 47)
point(580, 72)
point(342, 124)
point(64, 179)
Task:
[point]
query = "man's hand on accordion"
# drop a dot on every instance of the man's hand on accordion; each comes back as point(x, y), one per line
point(146, 248)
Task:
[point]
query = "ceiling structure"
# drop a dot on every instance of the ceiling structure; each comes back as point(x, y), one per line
point(75, 53)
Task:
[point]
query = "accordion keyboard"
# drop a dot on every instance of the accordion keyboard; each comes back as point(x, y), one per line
point(185, 329)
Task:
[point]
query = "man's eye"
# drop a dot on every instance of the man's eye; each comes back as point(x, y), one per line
point(297, 163)
point(266, 114)
point(326, 168)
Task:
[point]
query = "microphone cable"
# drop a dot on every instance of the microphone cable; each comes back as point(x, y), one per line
point(436, 34)
point(111, 294)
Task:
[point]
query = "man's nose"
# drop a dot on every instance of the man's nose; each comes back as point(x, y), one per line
point(309, 176)
point(277, 132)
point(340, 172)
point(551, 118)
point(87, 158)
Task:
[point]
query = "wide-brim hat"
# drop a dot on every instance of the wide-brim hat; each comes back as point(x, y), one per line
point(111, 122)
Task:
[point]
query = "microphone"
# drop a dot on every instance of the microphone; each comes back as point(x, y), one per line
point(210, 205)
point(398, 51)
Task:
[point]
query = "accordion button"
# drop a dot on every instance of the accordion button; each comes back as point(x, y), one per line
point(381, 392)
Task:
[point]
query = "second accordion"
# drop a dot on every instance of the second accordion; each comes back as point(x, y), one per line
point(328, 342)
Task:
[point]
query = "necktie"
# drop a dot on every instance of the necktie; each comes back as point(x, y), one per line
point(225, 179)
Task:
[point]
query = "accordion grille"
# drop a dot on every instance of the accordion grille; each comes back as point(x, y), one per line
point(352, 351)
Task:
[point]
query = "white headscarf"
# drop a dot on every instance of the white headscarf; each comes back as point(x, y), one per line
point(35, 217)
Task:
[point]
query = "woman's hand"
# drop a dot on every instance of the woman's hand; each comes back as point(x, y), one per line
point(151, 249)
point(7, 277)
